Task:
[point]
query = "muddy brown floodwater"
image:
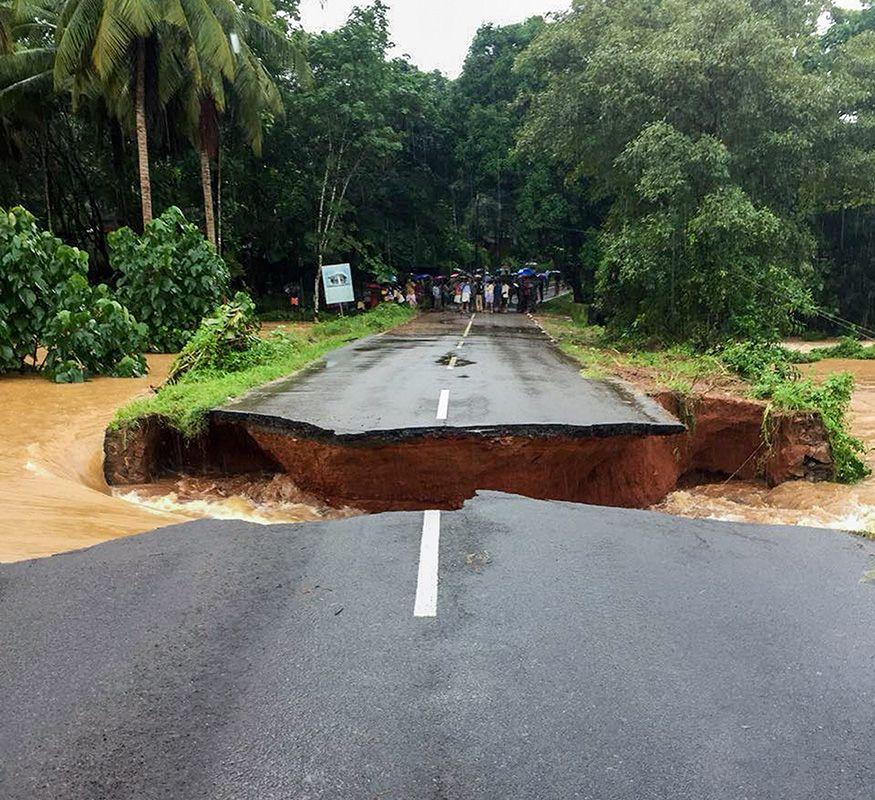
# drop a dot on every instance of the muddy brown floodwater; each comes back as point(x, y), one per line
point(52, 491)
point(54, 497)
point(830, 505)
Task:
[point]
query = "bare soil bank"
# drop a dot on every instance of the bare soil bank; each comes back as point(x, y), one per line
point(441, 470)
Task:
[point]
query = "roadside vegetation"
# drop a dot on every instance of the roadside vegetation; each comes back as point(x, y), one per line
point(225, 358)
point(758, 370)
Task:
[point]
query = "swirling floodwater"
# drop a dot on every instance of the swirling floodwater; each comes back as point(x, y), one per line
point(52, 491)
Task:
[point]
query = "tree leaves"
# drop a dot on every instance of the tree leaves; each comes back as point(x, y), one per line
point(170, 277)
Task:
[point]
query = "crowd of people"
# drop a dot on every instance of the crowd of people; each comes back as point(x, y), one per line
point(495, 294)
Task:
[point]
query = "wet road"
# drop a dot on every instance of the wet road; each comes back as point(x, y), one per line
point(513, 649)
point(483, 372)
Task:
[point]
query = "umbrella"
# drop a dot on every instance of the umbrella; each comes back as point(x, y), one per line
point(526, 272)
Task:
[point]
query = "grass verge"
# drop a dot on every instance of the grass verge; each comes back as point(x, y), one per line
point(186, 404)
point(744, 369)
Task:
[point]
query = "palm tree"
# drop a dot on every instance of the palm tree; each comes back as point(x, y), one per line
point(114, 44)
point(252, 33)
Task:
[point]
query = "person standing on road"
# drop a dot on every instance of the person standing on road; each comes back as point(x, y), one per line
point(505, 295)
point(489, 295)
point(479, 289)
point(436, 296)
point(466, 296)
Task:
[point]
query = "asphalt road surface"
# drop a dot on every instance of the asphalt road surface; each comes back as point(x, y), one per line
point(483, 372)
point(512, 649)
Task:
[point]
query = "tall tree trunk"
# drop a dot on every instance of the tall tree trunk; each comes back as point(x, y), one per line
point(142, 139)
point(207, 186)
point(317, 282)
point(219, 200)
point(46, 194)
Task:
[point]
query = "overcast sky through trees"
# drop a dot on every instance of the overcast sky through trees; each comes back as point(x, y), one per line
point(434, 33)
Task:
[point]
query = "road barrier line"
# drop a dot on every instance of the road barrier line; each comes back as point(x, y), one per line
point(468, 329)
point(443, 404)
point(452, 362)
point(427, 579)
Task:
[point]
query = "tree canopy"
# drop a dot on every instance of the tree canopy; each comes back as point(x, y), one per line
point(698, 169)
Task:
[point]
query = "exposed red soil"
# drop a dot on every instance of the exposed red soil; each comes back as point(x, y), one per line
point(724, 439)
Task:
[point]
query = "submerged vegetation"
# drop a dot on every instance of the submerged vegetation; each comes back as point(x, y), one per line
point(218, 369)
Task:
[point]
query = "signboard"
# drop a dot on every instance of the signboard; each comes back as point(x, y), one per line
point(337, 280)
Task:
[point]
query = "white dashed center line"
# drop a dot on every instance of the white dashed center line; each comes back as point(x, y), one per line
point(443, 404)
point(452, 363)
point(427, 579)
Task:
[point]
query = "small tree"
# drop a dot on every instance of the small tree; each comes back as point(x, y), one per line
point(32, 265)
point(170, 277)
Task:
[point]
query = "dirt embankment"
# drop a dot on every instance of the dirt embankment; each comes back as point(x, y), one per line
point(724, 438)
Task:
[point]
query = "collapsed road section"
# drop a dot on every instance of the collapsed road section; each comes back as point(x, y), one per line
point(425, 416)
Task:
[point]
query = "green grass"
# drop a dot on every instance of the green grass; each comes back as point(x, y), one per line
point(185, 405)
point(679, 367)
point(762, 371)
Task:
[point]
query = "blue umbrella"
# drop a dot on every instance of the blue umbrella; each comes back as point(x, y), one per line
point(526, 272)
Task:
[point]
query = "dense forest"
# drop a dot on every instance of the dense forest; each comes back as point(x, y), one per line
point(696, 168)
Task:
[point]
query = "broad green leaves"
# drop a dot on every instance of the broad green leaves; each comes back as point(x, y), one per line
point(170, 277)
point(92, 334)
point(46, 301)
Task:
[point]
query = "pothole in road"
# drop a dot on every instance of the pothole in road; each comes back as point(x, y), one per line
point(457, 360)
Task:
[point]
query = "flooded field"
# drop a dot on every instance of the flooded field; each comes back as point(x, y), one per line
point(829, 505)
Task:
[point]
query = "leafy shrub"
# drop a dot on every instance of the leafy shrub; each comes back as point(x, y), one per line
point(831, 399)
point(770, 370)
point(45, 299)
point(759, 362)
point(848, 347)
point(170, 277)
point(32, 264)
point(92, 334)
point(224, 342)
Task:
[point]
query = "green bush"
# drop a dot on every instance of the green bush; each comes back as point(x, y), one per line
point(224, 342)
point(92, 334)
point(32, 265)
point(772, 374)
point(45, 299)
point(848, 347)
point(170, 277)
point(758, 362)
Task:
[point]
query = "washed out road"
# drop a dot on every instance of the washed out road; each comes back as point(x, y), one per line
point(477, 372)
point(514, 648)
point(572, 652)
